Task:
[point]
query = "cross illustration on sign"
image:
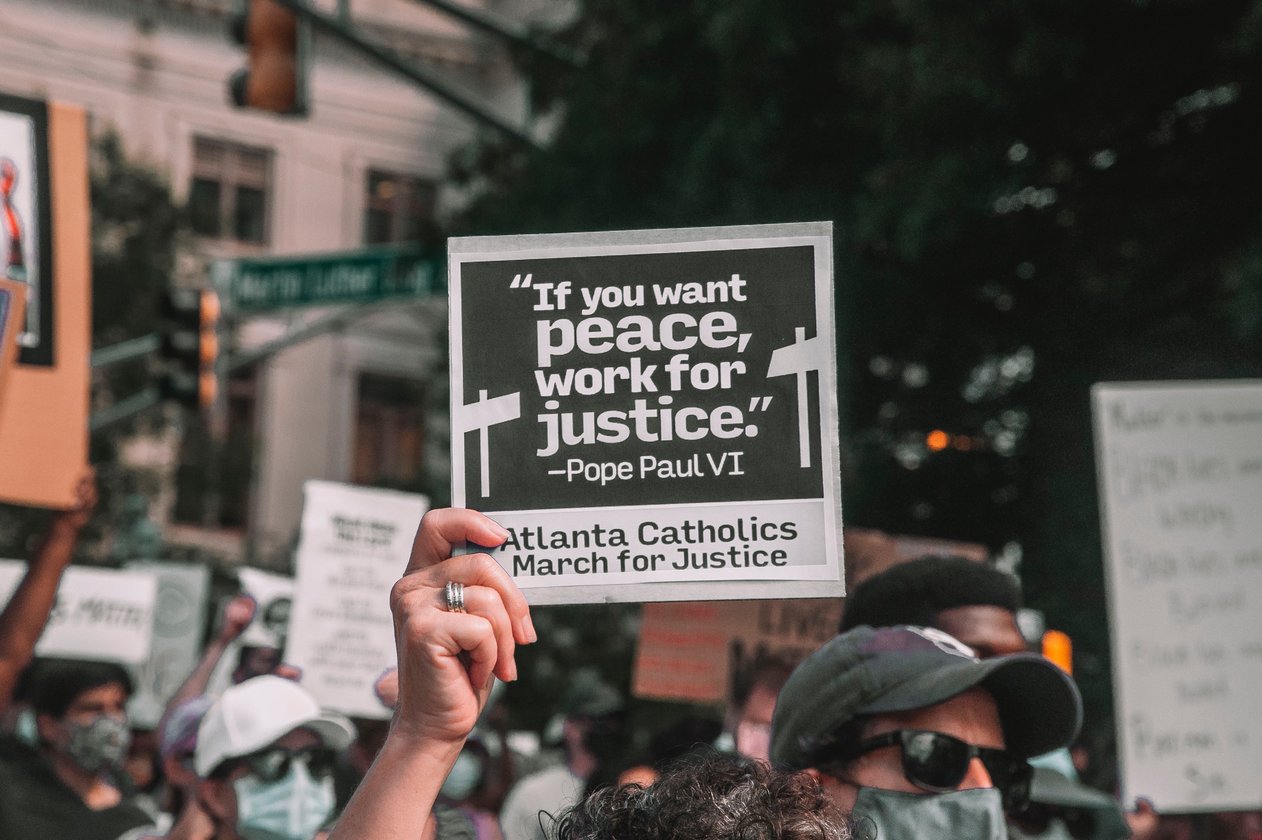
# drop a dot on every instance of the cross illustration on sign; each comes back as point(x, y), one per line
point(798, 358)
point(482, 415)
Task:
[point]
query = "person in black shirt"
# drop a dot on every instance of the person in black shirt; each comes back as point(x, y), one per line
point(65, 786)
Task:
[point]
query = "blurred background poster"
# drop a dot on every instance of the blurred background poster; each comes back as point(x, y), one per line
point(12, 310)
point(44, 416)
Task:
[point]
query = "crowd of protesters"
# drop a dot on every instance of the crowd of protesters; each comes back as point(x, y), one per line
point(926, 716)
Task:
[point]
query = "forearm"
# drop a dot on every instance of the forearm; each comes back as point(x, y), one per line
point(23, 619)
point(195, 683)
point(396, 796)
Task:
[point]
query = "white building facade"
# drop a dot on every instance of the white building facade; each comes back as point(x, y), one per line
point(365, 166)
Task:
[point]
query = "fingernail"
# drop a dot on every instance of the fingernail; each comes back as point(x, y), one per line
point(500, 530)
point(531, 635)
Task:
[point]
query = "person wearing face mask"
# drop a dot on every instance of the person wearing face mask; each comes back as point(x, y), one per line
point(753, 700)
point(592, 736)
point(264, 760)
point(978, 604)
point(907, 728)
point(67, 785)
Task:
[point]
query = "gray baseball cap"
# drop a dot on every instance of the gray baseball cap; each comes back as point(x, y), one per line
point(897, 669)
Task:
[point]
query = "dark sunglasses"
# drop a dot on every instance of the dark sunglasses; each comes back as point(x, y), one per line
point(1037, 817)
point(273, 764)
point(938, 763)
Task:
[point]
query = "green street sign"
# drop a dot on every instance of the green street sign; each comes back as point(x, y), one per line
point(259, 285)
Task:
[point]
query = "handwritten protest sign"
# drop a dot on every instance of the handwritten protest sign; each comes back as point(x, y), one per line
point(1180, 468)
point(179, 618)
point(354, 545)
point(688, 651)
point(651, 414)
point(98, 614)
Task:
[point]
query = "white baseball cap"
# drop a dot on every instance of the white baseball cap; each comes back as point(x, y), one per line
point(248, 717)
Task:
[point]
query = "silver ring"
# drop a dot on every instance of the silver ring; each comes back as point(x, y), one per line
point(455, 597)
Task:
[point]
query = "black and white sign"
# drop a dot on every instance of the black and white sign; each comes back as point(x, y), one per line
point(354, 545)
point(651, 414)
point(104, 614)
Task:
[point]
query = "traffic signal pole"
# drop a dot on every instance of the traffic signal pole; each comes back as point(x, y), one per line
point(224, 366)
point(460, 100)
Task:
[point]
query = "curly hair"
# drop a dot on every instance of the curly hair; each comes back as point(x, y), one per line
point(709, 796)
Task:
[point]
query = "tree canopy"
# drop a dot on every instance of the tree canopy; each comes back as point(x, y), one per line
point(1029, 197)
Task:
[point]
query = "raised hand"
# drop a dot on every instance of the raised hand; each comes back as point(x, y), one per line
point(447, 659)
point(237, 615)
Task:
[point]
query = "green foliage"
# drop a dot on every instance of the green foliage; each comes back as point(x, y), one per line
point(1029, 197)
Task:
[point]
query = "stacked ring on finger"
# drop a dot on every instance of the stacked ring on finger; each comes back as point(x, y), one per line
point(455, 597)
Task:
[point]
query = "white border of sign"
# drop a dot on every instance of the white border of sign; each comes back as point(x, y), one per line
point(828, 578)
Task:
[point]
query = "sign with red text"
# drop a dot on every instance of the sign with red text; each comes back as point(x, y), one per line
point(689, 651)
point(1180, 467)
point(651, 414)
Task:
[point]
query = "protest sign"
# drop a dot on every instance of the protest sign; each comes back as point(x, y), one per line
point(273, 597)
point(102, 614)
point(179, 619)
point(651, 414)
point(44, 243)
point(354, 545)
point(689, 651)
point(273, 594)
point(1180, 468)
point(12, 311)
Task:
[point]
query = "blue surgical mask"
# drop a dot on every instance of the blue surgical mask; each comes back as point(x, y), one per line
point(293, 807)
point(25, 728)
point(976, 814)
point(464, 778)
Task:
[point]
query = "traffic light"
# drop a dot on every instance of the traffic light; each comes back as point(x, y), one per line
point(190, 347)
point(276, 42)
point(1059, 648)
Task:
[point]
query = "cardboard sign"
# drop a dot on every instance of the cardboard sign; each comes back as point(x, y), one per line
point(44, 243)
point(103, 614)
point(1180, 467)
point(179, 618)
point(12, 312)
point(651, 414)
point(354, 544)
point(689, 651)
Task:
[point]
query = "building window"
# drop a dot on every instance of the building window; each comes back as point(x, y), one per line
point(389, 432)
point(229, 196)
point(399, 208)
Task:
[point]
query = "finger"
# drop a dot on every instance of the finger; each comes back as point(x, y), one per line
point(442, 530)
point(482, 570)
point(473, 635)
point(289, 672)
point(486, 602)
point(387, 688)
